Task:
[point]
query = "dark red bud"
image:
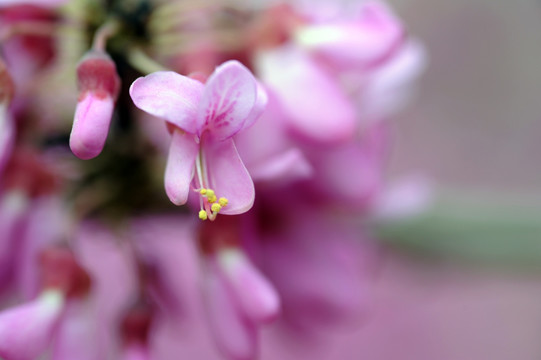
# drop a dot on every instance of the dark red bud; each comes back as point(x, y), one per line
point(97, 73)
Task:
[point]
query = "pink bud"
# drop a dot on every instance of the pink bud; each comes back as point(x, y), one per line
point(255, 294)
point(25, 331)
point(99, 85)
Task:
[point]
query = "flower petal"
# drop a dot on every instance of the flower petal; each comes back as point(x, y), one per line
point(91, 125)
point(228, 100)
point(170, 96)
point(26, 330)
point(354, 44)
point(260, 105)
point(255, 295)
point(7, 135)
point(234, 335)
point(180, 164)
point(316, 106)
point(228, 176)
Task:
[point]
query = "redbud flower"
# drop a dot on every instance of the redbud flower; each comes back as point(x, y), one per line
point(99, 86)
point(204, 119)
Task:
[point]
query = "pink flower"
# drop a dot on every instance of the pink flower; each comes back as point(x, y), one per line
point(204, 119)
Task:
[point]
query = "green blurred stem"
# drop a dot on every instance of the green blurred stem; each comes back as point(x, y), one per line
point(501, 231)
point(143, 63)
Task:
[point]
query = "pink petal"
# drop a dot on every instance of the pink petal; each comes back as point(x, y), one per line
point(235, 337)
point(254, 293)
point(260, 105)
point(289, 166)
point(25, 331)
point(316, 106)
point(91, 125)
point(169, 96)
point(405, 197)
point(322, 270)
point(391, 86)
point(7, 135)
point(355, 44)
point(180, 165)
point(228, 100)
point(228, 176)
point(76, 337)
point(350, 174)
point(40, 3)
point(135, 351)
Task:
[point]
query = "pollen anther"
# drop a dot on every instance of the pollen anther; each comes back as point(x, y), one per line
point(203, 215)
point(223, 201)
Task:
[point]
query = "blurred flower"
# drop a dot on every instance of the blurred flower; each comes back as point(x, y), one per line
point(276, 114)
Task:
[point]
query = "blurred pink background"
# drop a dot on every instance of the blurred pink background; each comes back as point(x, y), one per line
point(477, 124)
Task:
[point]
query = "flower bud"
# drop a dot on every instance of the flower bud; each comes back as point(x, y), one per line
point(99, 85)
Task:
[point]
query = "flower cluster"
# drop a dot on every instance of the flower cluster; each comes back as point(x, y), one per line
point(270, 124)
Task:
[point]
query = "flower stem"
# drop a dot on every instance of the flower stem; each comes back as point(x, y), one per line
point(144, 63)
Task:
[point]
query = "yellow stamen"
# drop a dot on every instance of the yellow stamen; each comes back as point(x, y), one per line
point(203, 215)
point(210, 193)
point(223, 201)
point(211, 199)
point(216, 207)
point(203, 191)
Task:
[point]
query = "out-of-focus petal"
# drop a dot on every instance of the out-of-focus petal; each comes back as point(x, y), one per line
point(40, 3)
point(322, 271)
point(180, 164)
point(313, 102)
point(403, 198)
point(354, 43)
point(235, 337)
point(45, 225)
point(228, 100)
point(256, 296)
point(390, 87)
point(135, 351)
point(169, 96)
point(76, 337)
point(286, 167)
point(7, 135)
point(349, 174)
point(228, 176)
point(26, 331)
